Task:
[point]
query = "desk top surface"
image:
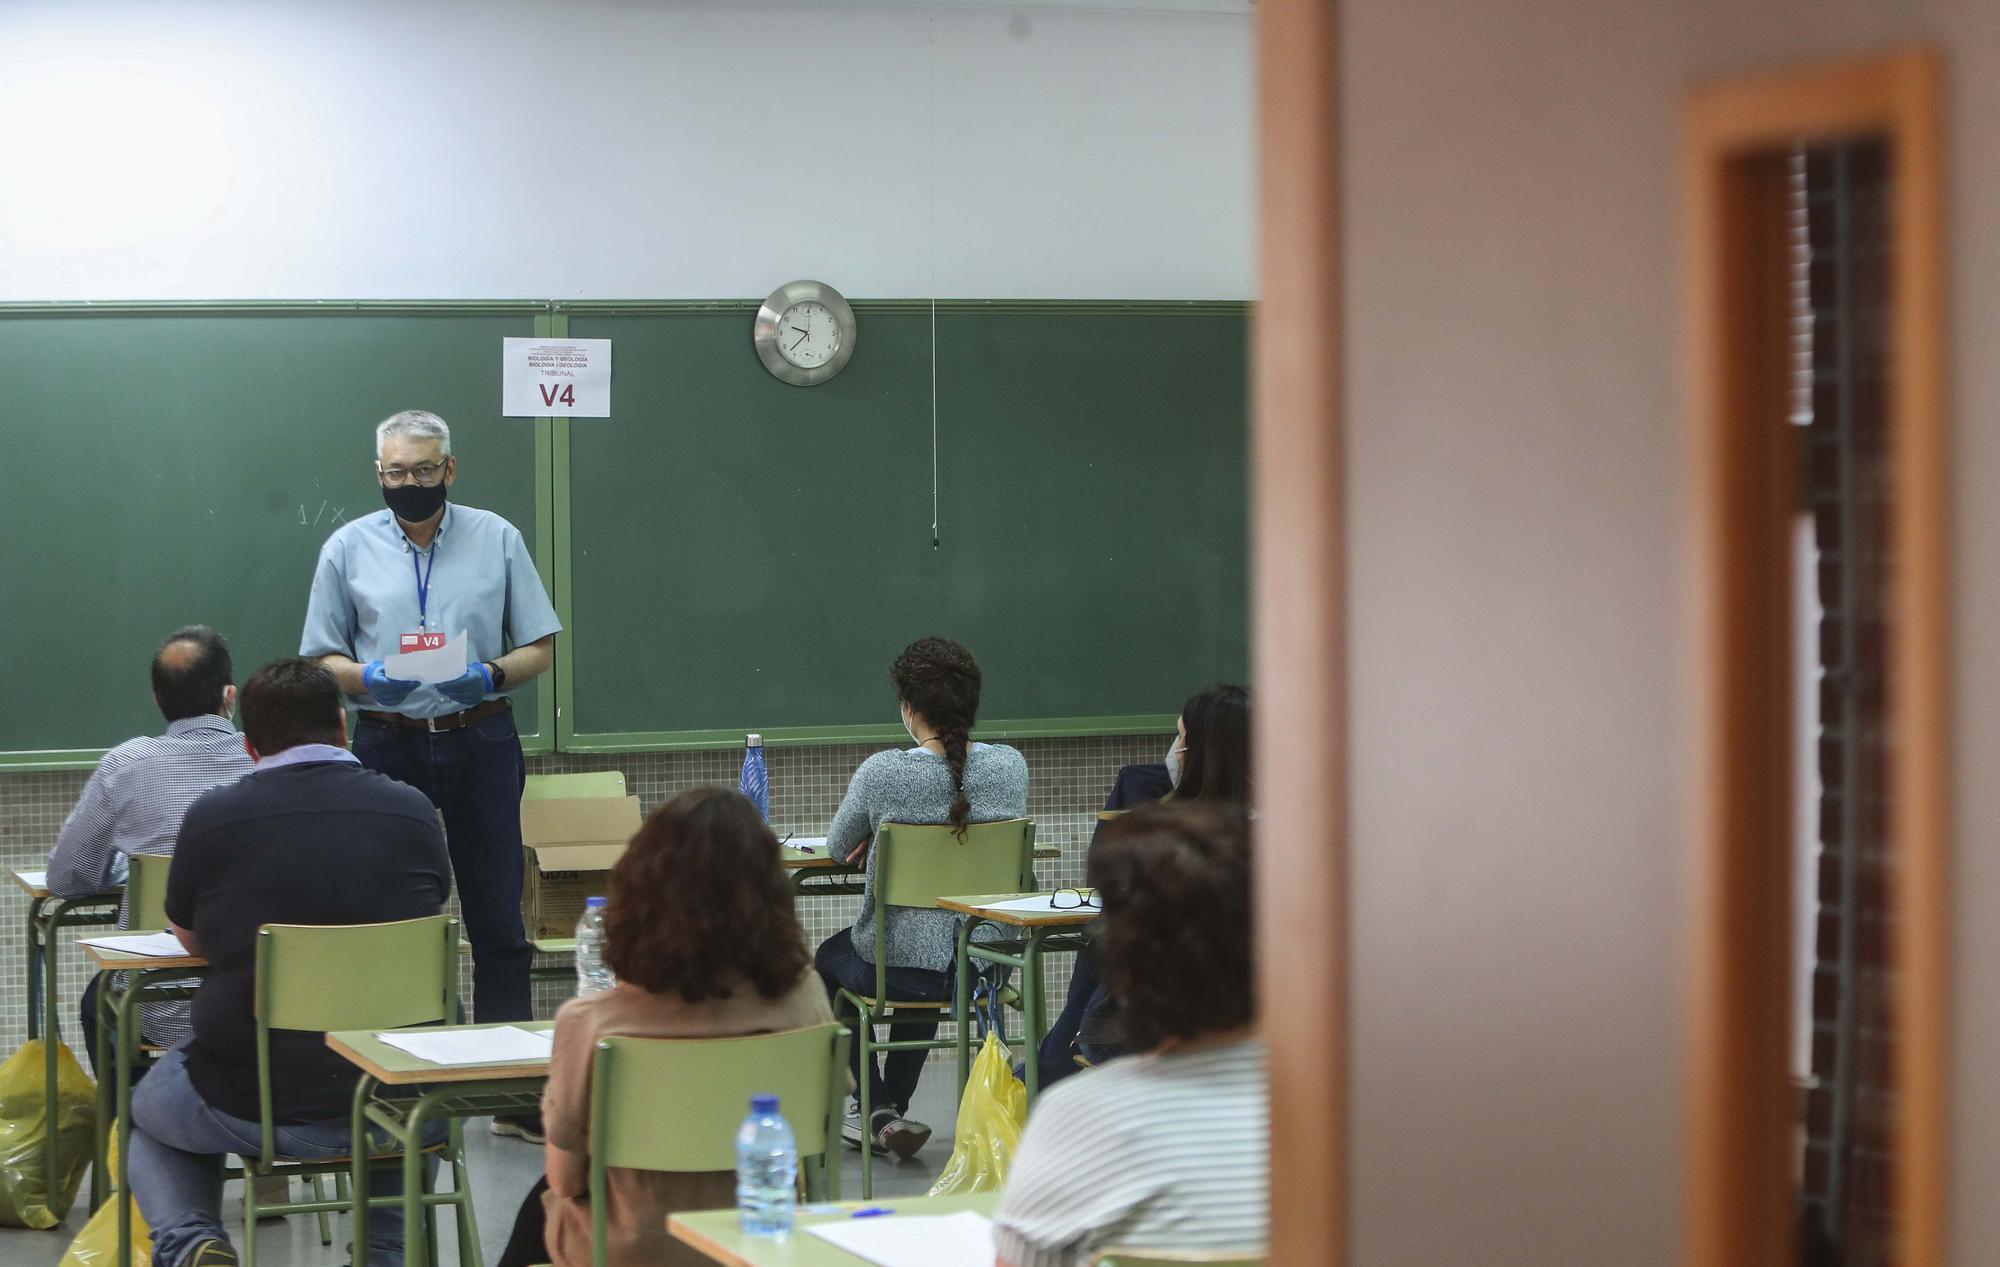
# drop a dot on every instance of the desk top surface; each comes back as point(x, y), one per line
point(974, 905)
point(36, 884)
point(800, 860)
point(392, 1066)
point(126, 961)
point(714, 1232)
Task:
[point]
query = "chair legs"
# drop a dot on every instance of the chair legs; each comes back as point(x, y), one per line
point(430, 1215)
point(469, 1252)
point(866, 1026)
point(250, 1213)
point(325, 1227)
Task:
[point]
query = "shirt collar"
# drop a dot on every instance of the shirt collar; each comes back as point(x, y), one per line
point(396, 526)
point(300, 754)
point(215, 722)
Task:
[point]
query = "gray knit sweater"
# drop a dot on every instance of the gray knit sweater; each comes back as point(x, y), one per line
point(913, 785)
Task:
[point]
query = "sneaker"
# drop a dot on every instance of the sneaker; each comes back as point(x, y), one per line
point(212, 1253)
point(880, 1120)
point(902, 1137)
point(528, 1126)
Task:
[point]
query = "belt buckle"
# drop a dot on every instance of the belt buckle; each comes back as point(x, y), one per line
point(431, 724)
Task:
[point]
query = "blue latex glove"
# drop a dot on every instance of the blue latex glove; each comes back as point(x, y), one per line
point(383, 689)
point(470, 689)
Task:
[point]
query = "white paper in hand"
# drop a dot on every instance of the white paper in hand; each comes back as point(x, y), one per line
point(964, 1239)
point(446, 664)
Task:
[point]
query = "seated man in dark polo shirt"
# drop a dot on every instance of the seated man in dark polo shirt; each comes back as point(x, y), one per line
point(308, 837)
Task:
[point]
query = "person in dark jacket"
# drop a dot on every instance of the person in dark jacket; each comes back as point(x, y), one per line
point(307, 837)
point(1209, 760)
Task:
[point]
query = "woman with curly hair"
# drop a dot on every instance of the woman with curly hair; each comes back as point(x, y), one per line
point(699, 930)
point(1165, 1147)
point(944, 778)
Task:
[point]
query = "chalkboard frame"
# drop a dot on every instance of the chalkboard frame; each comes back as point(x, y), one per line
point(552, 538)
point(543, 741)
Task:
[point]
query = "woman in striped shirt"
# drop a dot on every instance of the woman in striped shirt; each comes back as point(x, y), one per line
point(1164, 1149)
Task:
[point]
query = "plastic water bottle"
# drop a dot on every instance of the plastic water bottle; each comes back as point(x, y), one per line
point(755, 783)
point(767, 1170)
point(592, 977)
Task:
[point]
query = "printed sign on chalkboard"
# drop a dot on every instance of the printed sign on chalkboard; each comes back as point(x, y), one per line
point(555, 378)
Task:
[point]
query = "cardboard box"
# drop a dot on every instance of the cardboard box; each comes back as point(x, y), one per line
point(568, 847)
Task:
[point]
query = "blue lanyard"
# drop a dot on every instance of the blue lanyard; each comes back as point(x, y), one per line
point(423, 574)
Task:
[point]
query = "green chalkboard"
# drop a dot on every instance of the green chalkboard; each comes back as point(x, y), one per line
point(166, 465)
point(737, 554)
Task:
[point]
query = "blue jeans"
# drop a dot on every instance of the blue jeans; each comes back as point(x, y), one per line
point(178, 1146)
point(840, 964)
point(474, 776)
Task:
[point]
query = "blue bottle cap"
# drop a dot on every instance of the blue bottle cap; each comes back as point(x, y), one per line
point(590, 902)
point(765, 1103)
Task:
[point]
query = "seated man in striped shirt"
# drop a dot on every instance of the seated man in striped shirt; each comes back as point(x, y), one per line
point(1164, 1149)
point(135, 798)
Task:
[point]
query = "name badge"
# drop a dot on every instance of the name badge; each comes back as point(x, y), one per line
point(422, 640)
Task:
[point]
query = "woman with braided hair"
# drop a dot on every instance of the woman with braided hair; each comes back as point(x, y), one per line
point(943, 778)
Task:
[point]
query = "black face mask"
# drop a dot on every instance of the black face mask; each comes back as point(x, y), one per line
point(413, 503)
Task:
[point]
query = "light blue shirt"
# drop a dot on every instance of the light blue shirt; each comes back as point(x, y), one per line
point(481, 579)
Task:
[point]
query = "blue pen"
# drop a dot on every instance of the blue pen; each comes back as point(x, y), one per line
point(870, 1212)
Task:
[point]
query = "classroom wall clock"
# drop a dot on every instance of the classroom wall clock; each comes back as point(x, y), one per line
point(804, 333)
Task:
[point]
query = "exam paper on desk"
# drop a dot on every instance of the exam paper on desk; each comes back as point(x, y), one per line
point(152, 945)
point(503, 1044)
point(1040, 904)
point(446, 664)
point(964, 1239)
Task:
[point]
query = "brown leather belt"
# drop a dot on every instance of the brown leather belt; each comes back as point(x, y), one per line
point(450, 721)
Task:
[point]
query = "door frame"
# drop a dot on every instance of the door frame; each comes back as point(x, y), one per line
point(1739, 1163)
point(1299, 634)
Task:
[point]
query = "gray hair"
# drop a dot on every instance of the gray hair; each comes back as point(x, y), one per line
point(414, 424)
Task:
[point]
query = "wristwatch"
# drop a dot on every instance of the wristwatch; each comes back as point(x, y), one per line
point(499, 675)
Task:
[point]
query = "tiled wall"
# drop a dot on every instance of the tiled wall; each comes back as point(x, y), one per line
point(1068, 779)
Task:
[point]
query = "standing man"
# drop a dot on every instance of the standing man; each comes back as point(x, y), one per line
point(425, 566)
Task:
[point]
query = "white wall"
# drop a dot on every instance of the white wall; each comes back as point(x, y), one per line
point(528, 148)
point(1519, 485)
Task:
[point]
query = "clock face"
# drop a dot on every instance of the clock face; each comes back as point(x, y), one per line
point(808, 335)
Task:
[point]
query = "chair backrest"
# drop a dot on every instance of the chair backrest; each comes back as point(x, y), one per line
point(1175, 1258)
point(917, 865)
point(351, 976)
point(556, 787)
point(146, 891)
point(674, 1104)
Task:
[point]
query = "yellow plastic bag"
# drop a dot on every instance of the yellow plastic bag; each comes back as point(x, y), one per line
point(990, 1117)
point(25, 1122)
point(97, 1244)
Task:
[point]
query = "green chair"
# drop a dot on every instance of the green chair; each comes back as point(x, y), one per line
point(914, 867)
point(1176, 1258)
point(146, 891)
point(557, 787)
point(354, 976)
point(674, 1104)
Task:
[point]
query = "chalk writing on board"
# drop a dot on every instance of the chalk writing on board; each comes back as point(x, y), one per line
point(328, 513)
